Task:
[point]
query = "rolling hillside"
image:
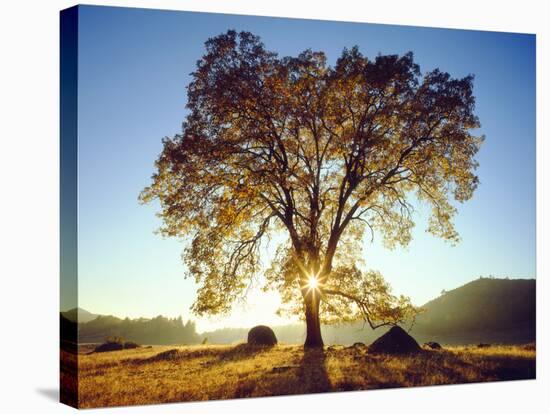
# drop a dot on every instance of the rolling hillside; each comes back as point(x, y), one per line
point(484, 310)
point(79, 315)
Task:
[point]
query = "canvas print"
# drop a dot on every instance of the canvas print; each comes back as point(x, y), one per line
point(256, 206)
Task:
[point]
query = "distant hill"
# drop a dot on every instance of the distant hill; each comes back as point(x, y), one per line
point(484, 310)
point(79, 315)
point(68, 332)
point(155, 331)
point(67, 329)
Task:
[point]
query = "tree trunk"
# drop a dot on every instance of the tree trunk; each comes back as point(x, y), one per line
point(313, 324)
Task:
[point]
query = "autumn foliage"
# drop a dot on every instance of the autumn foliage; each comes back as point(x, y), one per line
point(320, 154)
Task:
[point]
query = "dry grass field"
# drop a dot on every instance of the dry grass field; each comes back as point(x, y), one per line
point(161, 374)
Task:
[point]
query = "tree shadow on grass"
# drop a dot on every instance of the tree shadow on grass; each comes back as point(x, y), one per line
point(313, 371)
point(306, 375)
point(453, 368)
point(511, 368)
point(489, 367)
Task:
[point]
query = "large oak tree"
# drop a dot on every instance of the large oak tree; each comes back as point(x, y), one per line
point(320, 154)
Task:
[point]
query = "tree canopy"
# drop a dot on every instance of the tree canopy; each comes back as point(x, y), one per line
point(321, 154)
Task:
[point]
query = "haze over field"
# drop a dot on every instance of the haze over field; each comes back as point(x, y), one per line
point(484, 310)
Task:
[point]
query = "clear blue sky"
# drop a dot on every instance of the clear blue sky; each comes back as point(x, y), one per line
point(134, 66)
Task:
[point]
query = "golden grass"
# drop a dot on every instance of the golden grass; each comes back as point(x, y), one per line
point(68, 379)
point(168, 374)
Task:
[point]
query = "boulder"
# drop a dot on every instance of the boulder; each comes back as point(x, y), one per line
point(109, 346)
point(432, 345)
point(262, 335)
point(116, 344)
point(395, 341)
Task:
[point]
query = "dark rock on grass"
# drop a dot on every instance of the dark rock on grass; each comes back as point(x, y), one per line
point(432, 345)
point(109, 346)
point(262, 335)
point(130, 345)
point(395, 341)
point(116, 346)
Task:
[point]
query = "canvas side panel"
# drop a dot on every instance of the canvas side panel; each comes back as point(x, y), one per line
point(68, 204)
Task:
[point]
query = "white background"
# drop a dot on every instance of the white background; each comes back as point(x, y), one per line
point(29, 207)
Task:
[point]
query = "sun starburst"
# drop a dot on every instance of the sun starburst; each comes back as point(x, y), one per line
point(313, 282)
